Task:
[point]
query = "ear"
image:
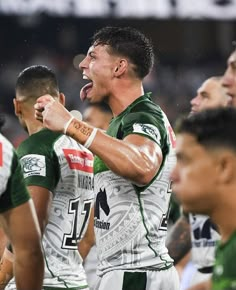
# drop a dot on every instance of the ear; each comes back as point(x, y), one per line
point(62, 99)
point(17, 107)
point(120, 68)
point(227, 167)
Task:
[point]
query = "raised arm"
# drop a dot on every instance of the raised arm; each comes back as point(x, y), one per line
point(143, 157)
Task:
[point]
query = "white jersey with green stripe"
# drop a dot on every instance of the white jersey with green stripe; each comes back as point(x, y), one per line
point(13, 191)
point(131, 221)
point(64, 167)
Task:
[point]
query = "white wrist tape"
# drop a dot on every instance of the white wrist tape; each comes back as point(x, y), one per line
point(90, 139)
point(67, 124)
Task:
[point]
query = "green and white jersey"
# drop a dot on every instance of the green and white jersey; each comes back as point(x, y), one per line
point(64, 167)
point(224, 273)
point(131, 221)
point(205, 237)
point(13, 191)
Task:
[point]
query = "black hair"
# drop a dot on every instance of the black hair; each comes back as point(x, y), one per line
point(37, 80)
point(211, 128)
point(130, 43)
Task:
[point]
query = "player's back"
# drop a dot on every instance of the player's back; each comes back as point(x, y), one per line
point(63, 166)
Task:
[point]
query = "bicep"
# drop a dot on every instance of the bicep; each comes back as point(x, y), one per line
point(42, 199)
point(149, 149)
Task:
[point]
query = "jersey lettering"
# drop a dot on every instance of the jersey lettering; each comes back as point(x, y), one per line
point(70, 241)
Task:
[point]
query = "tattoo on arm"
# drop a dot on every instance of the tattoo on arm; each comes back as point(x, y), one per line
point(80, 131)
point(179, 241)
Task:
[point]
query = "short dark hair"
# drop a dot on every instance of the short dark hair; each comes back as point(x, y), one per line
point(130, 43)
point(213, 128)
point(37, 80)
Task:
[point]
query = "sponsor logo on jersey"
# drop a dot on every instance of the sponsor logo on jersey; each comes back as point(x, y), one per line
point(33, 164)
point(101, 202)
point(1, 157)
point(147, 129)
point(79, 160)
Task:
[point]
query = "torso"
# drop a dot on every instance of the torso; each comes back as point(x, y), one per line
point(130, 222)
point(64, 167)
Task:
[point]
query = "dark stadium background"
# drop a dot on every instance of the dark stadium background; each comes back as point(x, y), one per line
point(188, 50)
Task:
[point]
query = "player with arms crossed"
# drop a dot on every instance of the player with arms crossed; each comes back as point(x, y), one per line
point(59, 175)
point(19, 222)
point(132, 165)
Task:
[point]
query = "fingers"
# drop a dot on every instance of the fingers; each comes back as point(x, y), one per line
point(42, 104)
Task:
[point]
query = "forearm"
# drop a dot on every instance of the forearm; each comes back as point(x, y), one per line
point(6, 268)
point(138, 167)
point(88, 240)
point(29, 270)
point(84, 248)
point(179, 240)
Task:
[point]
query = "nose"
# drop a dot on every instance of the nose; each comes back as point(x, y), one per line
point(195, 101)
point(83, 64)
point(227, 79)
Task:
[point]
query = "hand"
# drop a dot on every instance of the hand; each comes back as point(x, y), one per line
point(53, 114)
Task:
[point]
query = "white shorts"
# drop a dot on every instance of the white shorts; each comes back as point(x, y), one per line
point(148, 280)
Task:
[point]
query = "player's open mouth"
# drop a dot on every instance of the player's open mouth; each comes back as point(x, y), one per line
point(85, 89)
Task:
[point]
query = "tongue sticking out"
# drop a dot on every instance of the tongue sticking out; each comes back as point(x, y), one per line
point(84, 91)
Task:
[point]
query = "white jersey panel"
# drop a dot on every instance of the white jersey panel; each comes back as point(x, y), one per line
point(6, 154)
point(204, 238)
point(131, 227)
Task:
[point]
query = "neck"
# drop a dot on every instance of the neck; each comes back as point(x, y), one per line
point(123, 95)
point(225, 215)
point(33, 126)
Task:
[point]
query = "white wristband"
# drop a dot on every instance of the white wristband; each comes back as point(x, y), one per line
point(67, 124)
point(90, 139)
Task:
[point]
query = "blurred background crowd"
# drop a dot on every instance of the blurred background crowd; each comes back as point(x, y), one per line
point(192, 40)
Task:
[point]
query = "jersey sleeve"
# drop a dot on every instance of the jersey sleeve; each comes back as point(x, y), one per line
point(14, 191)
point(146, 125)
point(40, 168)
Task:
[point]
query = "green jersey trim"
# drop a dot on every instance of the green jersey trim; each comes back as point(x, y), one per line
point(144, 224)
point(144, 118)
point(16, 192)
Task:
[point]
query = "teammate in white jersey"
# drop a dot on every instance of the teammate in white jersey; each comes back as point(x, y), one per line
point(19, 222)
point(197, 232)
point(132, 164)
point(59, 175)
